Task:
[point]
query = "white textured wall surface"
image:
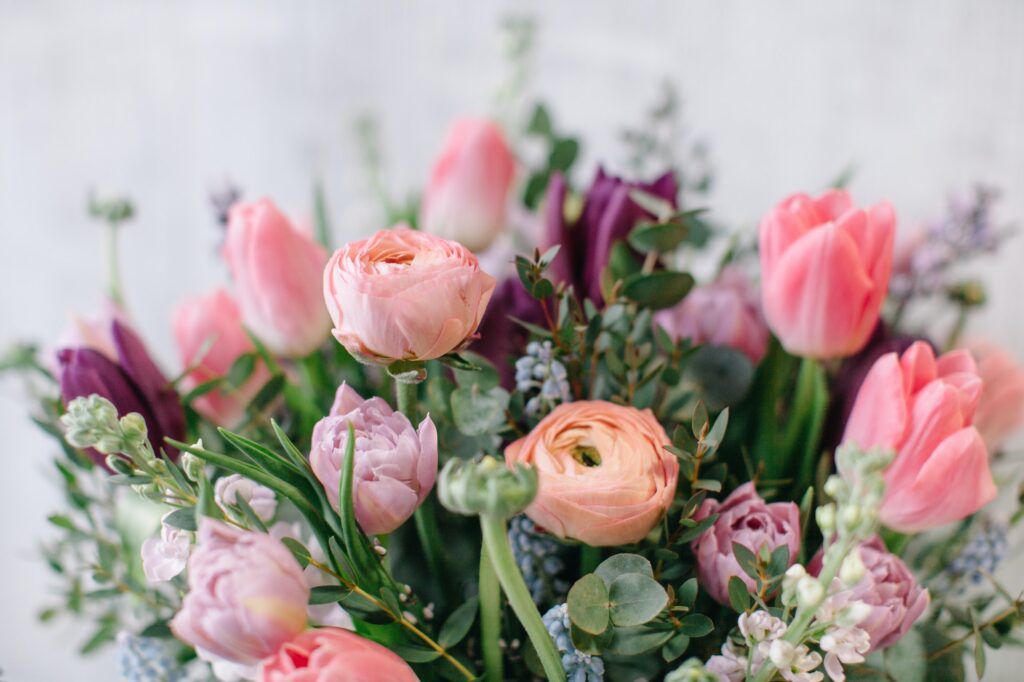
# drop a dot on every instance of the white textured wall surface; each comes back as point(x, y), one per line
point(162, 100)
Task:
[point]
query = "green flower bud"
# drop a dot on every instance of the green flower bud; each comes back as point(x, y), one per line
point(486, 486)
point(192, 465)
point(92, 423)
point(133, 426)
point(115, 463)
point(691, 671)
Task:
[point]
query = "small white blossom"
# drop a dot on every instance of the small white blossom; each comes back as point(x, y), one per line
point(826, 518)
point(795, 664)
point(852, 569)
point(731, 665)
point(760, 626)
point(809, 592)
point(166, 556)
point(844, 645)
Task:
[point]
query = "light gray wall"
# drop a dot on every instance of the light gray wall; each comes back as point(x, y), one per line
point(164, 99)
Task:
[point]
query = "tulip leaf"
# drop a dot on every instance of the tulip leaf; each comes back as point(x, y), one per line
point(458, 624)
point(657, 290)
point(635, 599)
point(621, 564)
point(588, 604)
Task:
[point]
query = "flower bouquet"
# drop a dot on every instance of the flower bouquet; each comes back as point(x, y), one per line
point(401, 461)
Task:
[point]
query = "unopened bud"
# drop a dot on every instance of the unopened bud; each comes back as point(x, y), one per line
point(852, 569)
point(809, 592)
point(826, 517)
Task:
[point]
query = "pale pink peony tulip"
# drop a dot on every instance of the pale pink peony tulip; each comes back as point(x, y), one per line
point(210, 337)
point(743, 518)
point(922, 408)
point(247, 594)
point(277, 272)
point(166, 556)
point(405, 295)
point(467, 196)
point(888, 587)
point(604, 475)
point(334, 655)
point(726, 312)
point(261, 499)
point(1001, 408)
point(395, 464)
point(825, 268)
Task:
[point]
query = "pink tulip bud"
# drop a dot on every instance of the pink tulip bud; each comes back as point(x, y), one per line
point(210, 337)
point(405, 295)
point(746, 519)
point(277, 273)
point(825, 270)
point(1001, 409)
point(467, 196)
point(395, 464)
point(604, 476)
point(922, 408)
point(726, 312)
point(335, 655)
point(247, 594)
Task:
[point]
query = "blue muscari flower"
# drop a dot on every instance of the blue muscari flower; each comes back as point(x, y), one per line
point(147, 659)
point(578, 666)
point(983, 552)
point(540, 372)
point(539, 558)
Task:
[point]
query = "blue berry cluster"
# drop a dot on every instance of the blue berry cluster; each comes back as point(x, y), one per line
point(540, 372)
point(578, 666)
point(983, 552)
point(539, 557)
point(147, 659)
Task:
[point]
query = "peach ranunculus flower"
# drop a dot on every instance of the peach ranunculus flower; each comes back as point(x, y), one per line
point(210, 337)
point(336, 655)
point(604, 475)
point(922, 408)
point(1001, 408)
point(825, 268)
point(405, 295)
point(277, 269)
point(467, 196)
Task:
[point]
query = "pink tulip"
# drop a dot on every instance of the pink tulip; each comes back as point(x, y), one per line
point(335, 655)
point(277, 269)
point(726, 312)
point(405, 295)
point(743, 518)
point(247, 594)
point(210, 337)
point(1001, 409)
point(604, 475)
point(467, 195)
point(395, 464)
point(825, 271)
point(922, 408)
point(888, 587)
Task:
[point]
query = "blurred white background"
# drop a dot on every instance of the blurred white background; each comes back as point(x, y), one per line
point(164, 100)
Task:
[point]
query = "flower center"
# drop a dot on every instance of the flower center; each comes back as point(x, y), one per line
point(587, 455)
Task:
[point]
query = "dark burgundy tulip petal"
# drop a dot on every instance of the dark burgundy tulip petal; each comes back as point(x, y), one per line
point(557, 232)
point(502, 339)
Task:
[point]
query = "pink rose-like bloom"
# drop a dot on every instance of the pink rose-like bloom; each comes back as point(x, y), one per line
point(604, 475)
point(825, 268)
point(922, 408)
point(726, 312)
point(247, 594)
point(166, 556)
point(210, 337)
point(467, 196)
point(889, 588)
point(277, 269)
point(395, 464)
point(744, 518)
point(261, 499)
point(1000, 411)
point(336, 655)
point(405, 295)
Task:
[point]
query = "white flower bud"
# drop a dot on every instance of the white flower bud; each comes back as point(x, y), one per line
point(809, 592)
point(781, 653)
point(852, 569)
point(854, 613)
point(192, 465)
point(835, 487)
point(826, 517)
point(850, 516)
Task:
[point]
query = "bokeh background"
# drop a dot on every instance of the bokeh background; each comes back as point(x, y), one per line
point(165, 101)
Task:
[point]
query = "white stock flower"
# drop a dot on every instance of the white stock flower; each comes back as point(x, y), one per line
point(760, 626)
point(261, 498)
point(843, 645)
point(795, 664)
point(852, 569)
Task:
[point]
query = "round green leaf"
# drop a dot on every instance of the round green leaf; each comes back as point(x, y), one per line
point(660, 289)
point(696, 625)
point(635, 599)
point(620, 564)
point(588, 604)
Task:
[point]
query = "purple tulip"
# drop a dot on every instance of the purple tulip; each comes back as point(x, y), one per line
point(502, 339)
point(130, 380)
point(608, 216)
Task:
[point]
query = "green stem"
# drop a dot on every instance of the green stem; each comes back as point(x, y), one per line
point(590, 557)
point(490, 619)
point(114, 266)
point(504, 563)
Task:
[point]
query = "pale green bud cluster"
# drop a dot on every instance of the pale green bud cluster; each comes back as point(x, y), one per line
point(691, 671)
point(486, 486)
point(92, 423)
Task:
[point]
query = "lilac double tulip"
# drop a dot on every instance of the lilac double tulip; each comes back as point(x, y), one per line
point(128, 378)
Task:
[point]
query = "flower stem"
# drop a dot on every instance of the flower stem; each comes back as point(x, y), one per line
point(500, 552)
point(114, 265)
point(490, 619)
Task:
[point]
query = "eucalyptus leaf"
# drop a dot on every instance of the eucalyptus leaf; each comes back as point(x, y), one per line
point(635, 599)
point(739, 596)
point(588, 604)
point(621, 564)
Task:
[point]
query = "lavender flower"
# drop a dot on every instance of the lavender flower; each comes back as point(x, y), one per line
point(540, 371)
point(539, 559)
point(982, 553)
point(578, 666)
